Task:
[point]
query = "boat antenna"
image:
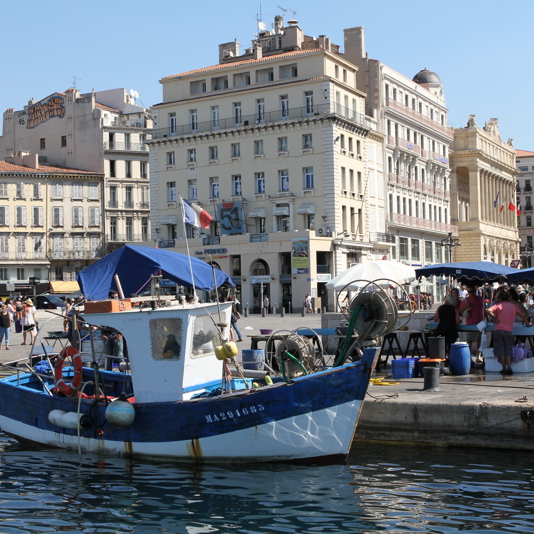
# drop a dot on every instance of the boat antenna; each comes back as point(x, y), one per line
point(187, 246)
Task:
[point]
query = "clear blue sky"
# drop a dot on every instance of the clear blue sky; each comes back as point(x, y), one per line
point(481, 49)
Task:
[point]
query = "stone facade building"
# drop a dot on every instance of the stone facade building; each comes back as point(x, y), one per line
point(50, 222)
point(276, 145)
point(484, 194)
point(103, 132)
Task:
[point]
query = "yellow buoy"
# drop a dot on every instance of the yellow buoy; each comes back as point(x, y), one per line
point(230, 349)
point(220, 353)
point(268, 380)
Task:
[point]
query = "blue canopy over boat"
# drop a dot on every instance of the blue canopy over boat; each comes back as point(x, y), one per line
point(468, 271)
point(135, 264)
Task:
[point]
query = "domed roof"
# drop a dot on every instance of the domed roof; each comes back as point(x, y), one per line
point(426, 76)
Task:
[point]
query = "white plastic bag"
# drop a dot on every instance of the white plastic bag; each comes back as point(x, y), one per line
point(483, 341)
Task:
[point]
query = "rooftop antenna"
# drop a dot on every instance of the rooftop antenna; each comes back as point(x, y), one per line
point(75, 79)
point(293, 18)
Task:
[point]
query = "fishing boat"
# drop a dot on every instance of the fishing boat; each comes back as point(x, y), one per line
point(176, 397)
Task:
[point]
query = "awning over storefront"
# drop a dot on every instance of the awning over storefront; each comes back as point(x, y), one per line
point(61, 286)
point(307, 209)
point(258, 213)
point(170, 219)
point(281, 210)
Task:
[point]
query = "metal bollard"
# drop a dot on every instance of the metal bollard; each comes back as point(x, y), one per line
point(245, 312)
point(263, 312)
point(282, 311)
point(303, 312)
point(324, 309)
point(431, 375)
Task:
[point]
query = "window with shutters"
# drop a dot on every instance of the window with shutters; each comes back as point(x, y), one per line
point(77, 216)
point(57, 190)
point(94, 243)
point(21, 246)
point(20, 190)
point(20, 212)
point(77, 245)
point(3, 190)
point(4, 246)
point(77, 191)
point(57, 216)
point(37, 191)
point(93, 191)
point(58, 246)
point(37, 216)
point(38, 248)
point(94, 216)
point(4, 215)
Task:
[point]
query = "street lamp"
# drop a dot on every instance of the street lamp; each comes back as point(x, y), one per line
point(450, 242)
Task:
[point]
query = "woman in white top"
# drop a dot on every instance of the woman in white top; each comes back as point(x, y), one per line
point(28, 321)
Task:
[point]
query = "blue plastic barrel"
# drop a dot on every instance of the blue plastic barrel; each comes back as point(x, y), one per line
point(253, 359)
point(460, 358)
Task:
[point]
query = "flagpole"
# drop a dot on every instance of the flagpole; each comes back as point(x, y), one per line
point(187, 245)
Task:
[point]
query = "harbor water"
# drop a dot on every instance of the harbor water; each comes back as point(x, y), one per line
point(381, 489)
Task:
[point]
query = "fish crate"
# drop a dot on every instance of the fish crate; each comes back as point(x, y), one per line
point(492, 365)
point(404, 368)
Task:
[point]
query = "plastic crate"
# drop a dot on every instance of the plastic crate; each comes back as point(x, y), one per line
point(404, 368)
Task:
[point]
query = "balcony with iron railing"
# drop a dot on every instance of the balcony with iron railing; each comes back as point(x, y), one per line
point(127, 237)
point(418, 185)
point(127, 204)
point(127, 147)
point(419, 223)
point(447, 130)
point(74, 254)
point(381, 237)
point(167, 243)
point(265, 117)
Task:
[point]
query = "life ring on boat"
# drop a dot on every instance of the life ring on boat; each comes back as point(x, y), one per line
point(68, 389)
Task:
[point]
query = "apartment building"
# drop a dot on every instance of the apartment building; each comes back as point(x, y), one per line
point(412, 114)
point(103, 132)
point(525, 180)
point(275, 144)
point(50, 223)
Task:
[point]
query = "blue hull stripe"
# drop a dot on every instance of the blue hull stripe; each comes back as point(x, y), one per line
point(178, 421)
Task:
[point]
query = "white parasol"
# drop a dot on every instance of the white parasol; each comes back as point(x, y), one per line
point(383, 271)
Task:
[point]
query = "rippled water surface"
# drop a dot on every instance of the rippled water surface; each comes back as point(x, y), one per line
point(381, 489)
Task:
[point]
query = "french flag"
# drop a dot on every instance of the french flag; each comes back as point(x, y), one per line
point(195, 215)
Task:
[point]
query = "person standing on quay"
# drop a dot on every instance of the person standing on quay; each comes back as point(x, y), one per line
point(503, 315)
point(28, 321)
point(266, 303)
point(5, 326)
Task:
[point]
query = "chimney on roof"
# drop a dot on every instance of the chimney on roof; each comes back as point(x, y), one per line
point(257, 51)
point(228, 50)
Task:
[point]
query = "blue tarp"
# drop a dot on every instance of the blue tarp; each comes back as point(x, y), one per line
point(468, 271)
point(134, 265)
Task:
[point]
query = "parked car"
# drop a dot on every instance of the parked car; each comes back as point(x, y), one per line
point(48, 302)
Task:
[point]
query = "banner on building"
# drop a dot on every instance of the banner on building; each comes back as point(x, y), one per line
point(300, 256)
point(231, 220)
